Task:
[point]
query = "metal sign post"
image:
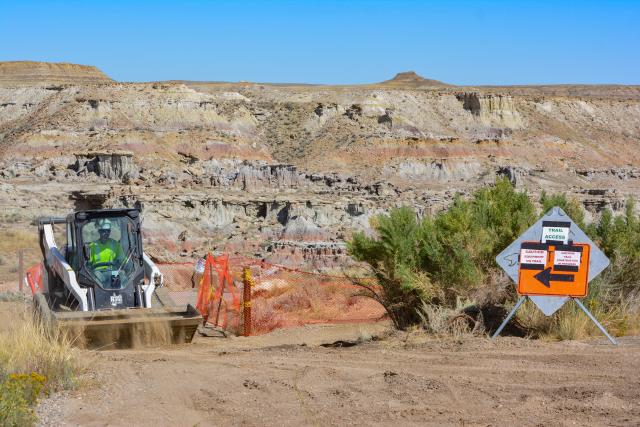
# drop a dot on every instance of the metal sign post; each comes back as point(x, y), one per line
point(511, 314)
point(551, 263)
point(594, 320)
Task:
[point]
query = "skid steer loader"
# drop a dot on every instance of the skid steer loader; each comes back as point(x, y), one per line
point(106, 298)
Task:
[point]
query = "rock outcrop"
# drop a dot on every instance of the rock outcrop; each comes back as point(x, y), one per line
point(114, 166)
point(287, 173)
point(493, 110)
point(48, 73)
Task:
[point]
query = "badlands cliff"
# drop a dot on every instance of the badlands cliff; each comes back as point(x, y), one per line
point(287, 172)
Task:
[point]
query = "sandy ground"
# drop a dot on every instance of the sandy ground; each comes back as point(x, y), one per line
point(289, 378)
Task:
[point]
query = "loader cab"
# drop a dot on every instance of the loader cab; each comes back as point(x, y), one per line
point(104, 248)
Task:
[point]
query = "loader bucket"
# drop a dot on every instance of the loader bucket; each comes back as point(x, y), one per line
point(130, 327)
point(124, 328)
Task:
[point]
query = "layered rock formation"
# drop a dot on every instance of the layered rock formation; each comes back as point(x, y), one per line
point(110, 165)
point(48, 73)
point(497, 111)
point(288, 172)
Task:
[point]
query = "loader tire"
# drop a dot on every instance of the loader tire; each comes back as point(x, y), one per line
point(42, 312)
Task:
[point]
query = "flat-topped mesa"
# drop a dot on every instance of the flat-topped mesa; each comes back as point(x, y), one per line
point(412, 79)
point(45, 73)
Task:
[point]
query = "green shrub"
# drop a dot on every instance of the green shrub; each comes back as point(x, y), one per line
point(443, 258)
point(460, 244)
point(393, 258)
point(439, 260)
point(18, 394)
point(619, 239)
point(572, 207)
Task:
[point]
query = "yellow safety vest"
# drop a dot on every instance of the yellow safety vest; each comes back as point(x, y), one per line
point(105, 252)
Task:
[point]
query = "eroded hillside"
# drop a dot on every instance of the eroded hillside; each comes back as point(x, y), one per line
point(287, 172)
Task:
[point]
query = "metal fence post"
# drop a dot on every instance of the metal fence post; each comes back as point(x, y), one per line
point(20, 269)
point(248, 282)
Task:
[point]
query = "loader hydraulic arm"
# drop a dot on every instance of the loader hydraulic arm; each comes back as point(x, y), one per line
point(156, 279)
point(55, 262)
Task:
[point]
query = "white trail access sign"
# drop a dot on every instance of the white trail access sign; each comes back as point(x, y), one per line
point(551, 263)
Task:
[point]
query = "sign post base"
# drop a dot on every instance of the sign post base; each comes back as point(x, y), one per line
point(511, 314)
point(577, 301)
point(594, 320)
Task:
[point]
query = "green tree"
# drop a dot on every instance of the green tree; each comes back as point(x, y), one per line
point(464, 240)
point(572, 207)
point(619, 239)
point(393, 259)
point(439, 259)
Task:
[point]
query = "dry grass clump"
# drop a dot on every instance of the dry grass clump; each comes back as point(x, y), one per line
point(452, 322)
point(33, 360)
point(11, 217)
point(571, 323)
point(12, 241)
point(28, 346)
point(15, 239)
point(10, 296)
point(534, 319)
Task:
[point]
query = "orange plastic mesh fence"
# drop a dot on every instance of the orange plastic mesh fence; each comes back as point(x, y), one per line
point(218, 300)
point(34, 278)
point(281, 296)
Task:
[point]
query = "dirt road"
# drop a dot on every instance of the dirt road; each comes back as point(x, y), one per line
point(288, 378)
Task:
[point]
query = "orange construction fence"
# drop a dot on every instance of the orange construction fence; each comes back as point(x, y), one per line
point(249, 296)
point(215, 283)
point(273, 296)
point(34, 277)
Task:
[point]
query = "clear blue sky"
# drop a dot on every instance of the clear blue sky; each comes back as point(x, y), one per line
point(465, 42)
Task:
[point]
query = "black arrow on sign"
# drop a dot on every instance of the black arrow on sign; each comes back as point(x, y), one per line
point(545, 277)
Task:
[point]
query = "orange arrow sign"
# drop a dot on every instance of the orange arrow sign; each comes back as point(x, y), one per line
point(550, 269)
point(545, 277)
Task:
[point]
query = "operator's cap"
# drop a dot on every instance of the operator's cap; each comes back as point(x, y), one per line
point(104, 224)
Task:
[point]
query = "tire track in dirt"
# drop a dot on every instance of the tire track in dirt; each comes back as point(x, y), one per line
point(392, 381)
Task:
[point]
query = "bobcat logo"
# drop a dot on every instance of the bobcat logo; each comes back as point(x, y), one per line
point(116, 300)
